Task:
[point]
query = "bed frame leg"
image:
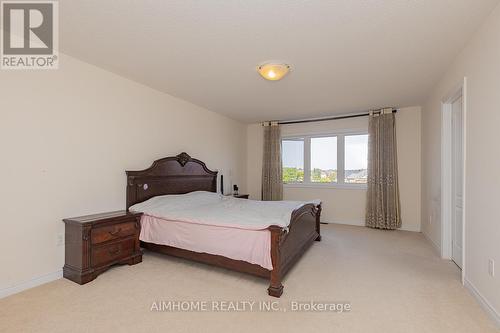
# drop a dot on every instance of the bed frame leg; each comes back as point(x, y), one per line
point(275, 291)
point(275, 287)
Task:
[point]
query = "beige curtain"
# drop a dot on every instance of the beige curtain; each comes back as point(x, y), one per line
point(383, 210)
point(272, 186)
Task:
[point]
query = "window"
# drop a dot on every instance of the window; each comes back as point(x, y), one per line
point(293, 160)
point(324, 160)
point(356, 159)
point(338, 159)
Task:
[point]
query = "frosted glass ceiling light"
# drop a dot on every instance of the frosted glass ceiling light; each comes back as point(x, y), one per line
point(273, 72)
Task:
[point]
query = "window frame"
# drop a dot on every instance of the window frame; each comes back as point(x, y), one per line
point(340, 184)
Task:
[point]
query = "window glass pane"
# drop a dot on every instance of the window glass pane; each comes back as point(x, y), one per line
point(293, 160)
point(356, 159)
point(324, 160)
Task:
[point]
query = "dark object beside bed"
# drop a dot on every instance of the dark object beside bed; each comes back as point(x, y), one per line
point(182, 174)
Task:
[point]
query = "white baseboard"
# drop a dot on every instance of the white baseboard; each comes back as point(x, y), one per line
point(361, 223)
point(31, 283)
point(490, 310)
point(436, 247)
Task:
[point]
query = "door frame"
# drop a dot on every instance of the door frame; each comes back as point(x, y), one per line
point(446, 171)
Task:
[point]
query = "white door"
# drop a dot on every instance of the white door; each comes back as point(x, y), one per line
point(457, 181)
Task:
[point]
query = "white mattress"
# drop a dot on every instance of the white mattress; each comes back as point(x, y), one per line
point(217, 210)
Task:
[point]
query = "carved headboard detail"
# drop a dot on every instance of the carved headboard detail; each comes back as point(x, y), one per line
point(170, 175)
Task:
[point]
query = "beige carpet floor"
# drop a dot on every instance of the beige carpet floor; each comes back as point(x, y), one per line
point(393, 281)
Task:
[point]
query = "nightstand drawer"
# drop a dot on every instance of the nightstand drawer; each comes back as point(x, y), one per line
point(105, 234)
point(108, 253)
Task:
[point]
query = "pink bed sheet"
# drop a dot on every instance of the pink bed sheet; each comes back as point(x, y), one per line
point(253, 246)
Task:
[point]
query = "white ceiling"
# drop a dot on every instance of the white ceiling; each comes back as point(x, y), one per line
point(347, 55)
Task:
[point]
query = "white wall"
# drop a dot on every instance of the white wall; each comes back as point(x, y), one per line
point(342, 205)
point(408, 132)
point(66, 138)
point(480, 63)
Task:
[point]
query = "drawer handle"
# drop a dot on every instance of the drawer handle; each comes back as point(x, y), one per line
point(114, 233)
point(113, 252)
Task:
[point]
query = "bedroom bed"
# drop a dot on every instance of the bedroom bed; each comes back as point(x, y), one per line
point(183, 216)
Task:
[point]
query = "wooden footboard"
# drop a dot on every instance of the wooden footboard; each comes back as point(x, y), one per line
point(288, 245)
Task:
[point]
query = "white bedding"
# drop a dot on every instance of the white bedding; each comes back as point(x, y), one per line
point(215, 209)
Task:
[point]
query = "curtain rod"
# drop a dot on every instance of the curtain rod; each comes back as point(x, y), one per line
point(355, 115)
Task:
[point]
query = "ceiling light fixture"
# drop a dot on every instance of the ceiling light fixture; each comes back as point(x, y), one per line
point(273, 72)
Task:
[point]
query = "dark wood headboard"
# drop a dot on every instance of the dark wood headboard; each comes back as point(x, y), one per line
point(170, 175)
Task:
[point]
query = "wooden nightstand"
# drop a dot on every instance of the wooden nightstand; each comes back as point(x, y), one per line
point(96, 242)
point(242, 196)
